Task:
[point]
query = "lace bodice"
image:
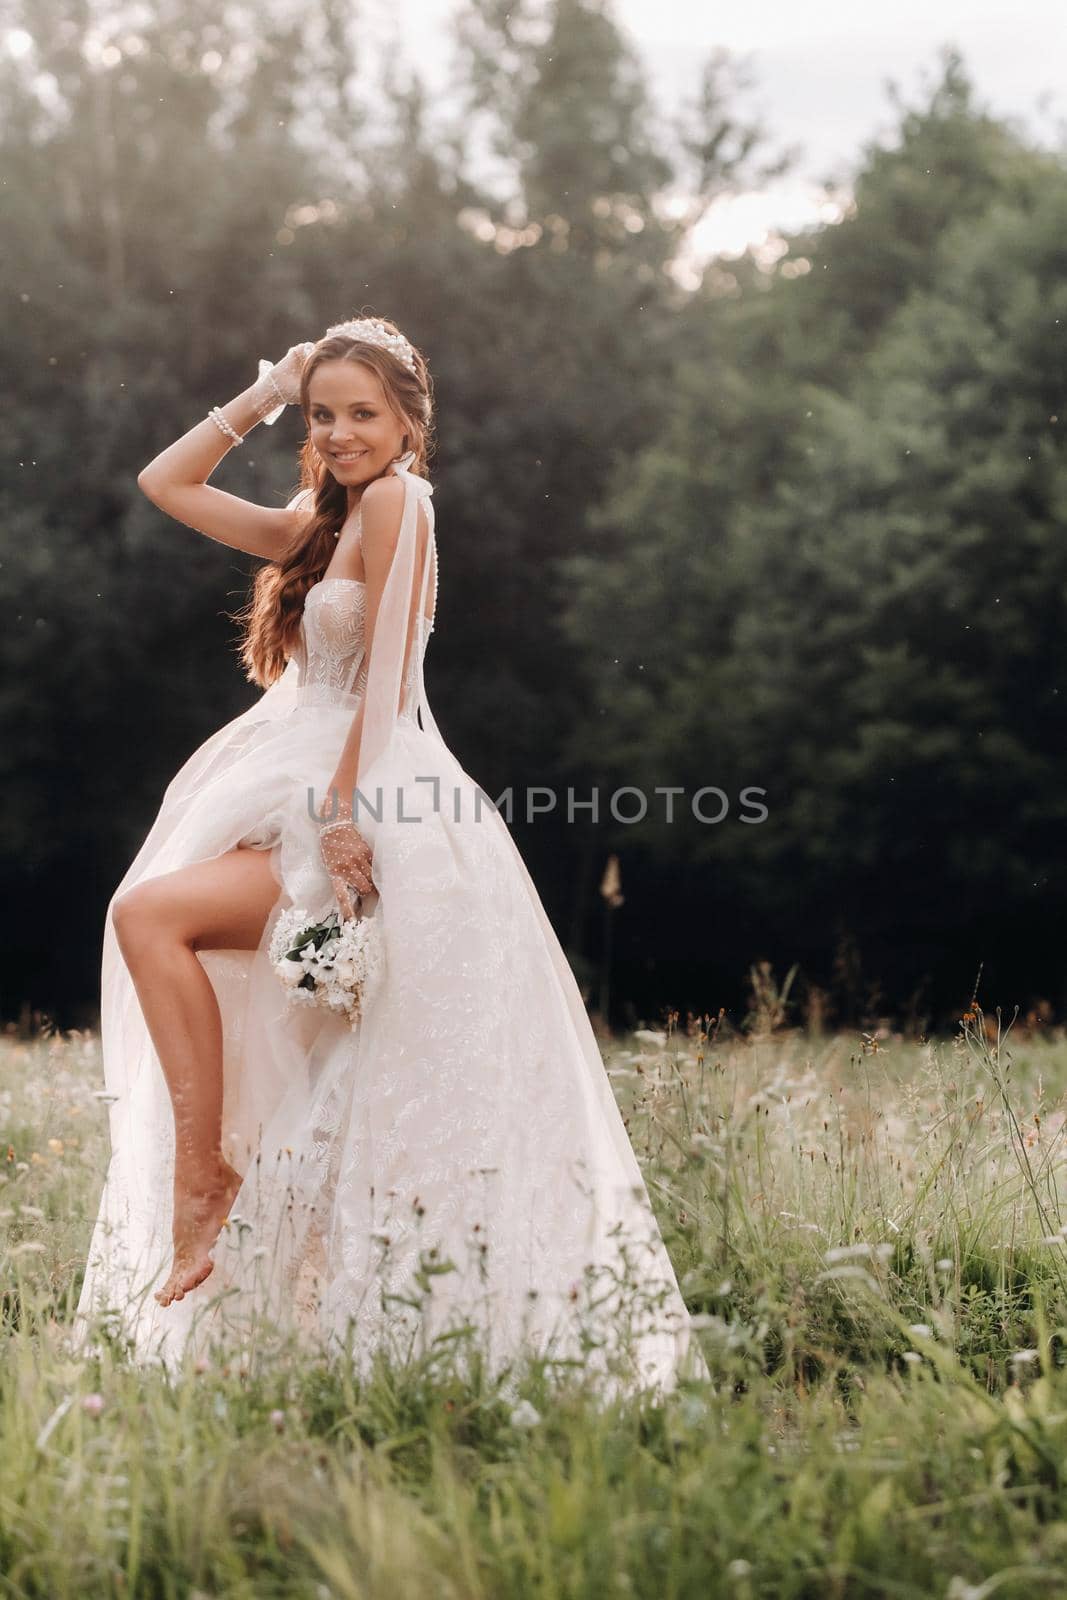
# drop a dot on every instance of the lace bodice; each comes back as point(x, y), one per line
point(331, 654)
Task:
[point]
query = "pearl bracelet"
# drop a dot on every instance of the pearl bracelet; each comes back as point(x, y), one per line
point(220, 422)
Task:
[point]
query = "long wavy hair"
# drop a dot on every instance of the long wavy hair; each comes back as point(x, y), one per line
point(270, 622)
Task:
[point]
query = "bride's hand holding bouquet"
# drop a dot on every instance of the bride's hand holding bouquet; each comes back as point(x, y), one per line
point(332, 962)
point(345, 853)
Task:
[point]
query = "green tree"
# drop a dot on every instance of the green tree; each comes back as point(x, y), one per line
point(846, 586)
point(185, 193)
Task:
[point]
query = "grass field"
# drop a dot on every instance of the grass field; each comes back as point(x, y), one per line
point(868, 1232)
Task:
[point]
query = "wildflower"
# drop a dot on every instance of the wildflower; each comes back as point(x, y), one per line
point(1022, 1356)
point(277, 1420)
point(525, 1415)
point(93, 1404)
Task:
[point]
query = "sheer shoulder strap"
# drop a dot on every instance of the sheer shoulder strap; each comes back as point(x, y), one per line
point(397, 628)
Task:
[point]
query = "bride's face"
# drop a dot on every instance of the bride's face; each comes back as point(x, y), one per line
point(352, 427)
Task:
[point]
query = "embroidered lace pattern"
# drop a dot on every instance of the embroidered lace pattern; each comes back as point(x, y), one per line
point(331, 654)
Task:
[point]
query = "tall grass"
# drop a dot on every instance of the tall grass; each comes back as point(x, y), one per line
point(869, 1232)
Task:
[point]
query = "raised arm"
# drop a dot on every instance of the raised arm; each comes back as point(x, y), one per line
point(176, 479)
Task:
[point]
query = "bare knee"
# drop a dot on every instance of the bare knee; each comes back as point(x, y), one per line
point(140, 921)
point(218, 904)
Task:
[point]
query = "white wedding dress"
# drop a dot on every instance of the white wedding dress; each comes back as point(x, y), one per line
point(467, 1126)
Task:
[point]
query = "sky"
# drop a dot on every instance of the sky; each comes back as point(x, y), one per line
point(818, 75)
point(818, 78)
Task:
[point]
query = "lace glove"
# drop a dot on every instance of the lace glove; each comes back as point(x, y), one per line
point(346, 856)
point(278, 384)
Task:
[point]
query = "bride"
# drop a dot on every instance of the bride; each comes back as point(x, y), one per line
point(456, 1163)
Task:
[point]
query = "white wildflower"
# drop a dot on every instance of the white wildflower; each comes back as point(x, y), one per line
point(525, 1415)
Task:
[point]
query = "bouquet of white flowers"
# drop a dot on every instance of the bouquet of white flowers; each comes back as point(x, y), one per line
point(331, 963)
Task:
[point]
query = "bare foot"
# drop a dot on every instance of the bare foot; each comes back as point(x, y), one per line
point(198, 1217)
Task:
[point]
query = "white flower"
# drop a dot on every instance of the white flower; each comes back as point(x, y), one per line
point(525, 1415)
point(343, 969)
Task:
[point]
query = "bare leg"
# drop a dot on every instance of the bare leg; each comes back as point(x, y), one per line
point(221, 904)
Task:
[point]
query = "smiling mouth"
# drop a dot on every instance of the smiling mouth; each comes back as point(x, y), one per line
point(348, 457)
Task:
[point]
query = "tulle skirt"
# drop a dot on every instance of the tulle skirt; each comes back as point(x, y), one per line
point(452, 1173)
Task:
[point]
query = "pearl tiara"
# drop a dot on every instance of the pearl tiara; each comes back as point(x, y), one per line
point(371, 331)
